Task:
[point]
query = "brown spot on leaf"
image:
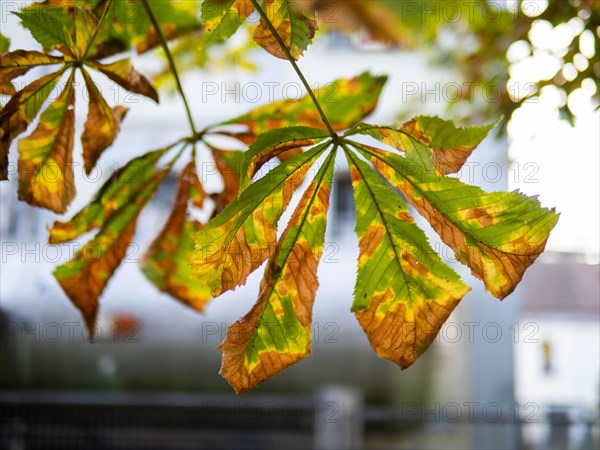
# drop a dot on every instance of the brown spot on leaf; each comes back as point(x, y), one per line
point(278, 150)
point(412, 128)
point(451, 160)
point(289, 154)
point(371, 240)
point(404, 216)
point(481, 215)
point(410, 259)
point(243, 8)
point(355, 175)
point(399, 335)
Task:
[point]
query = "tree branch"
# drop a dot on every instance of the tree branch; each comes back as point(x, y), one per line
point(291, 59)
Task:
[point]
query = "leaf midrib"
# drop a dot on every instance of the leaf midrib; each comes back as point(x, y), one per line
point(384, 221)
point(423, 193)
point(251, 347)
point(64, 113)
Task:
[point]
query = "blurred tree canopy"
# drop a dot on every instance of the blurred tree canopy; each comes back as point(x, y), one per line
point(492, 45)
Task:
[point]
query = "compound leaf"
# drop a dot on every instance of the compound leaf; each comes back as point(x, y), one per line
point(45, 156)
point(295, 29)
point(166, 263)
point(243, 236)
point(67, 25)
point(276, 333)
point(403, 292)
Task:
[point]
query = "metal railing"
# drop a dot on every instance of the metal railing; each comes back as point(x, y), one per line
point(334, 418)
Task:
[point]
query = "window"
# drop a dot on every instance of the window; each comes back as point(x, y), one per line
point(343, 203)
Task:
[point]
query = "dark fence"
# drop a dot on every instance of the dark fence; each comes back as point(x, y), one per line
point(333, 419)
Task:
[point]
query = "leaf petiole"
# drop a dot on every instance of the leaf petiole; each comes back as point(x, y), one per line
point(165, 46)
point(96, 30)
point(292, 61)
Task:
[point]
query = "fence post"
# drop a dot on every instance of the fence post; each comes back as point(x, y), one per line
point(339, 419)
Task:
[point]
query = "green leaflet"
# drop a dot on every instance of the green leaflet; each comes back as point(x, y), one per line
point(498, 235)
point(51, 26)
point(404, 293)
point(344, 101)
point(4, 43)
point(293, 27)
point(84, 278)
point(239, 239)
point(443, 134)
point(19, 62)
point(222, 18)
point(449, 146)
point(273, 143)
point(119, 190)
point(45, 156)
point(276, 333)
point(20, 111)
point(33, 96)
point(166, 263)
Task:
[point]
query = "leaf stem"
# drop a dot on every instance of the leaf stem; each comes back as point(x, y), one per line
point(292, 61)
point(178, 155)
point(96, 30)
point(165, 46)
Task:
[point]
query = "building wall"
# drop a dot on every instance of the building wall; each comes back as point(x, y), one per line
point(565, 374)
